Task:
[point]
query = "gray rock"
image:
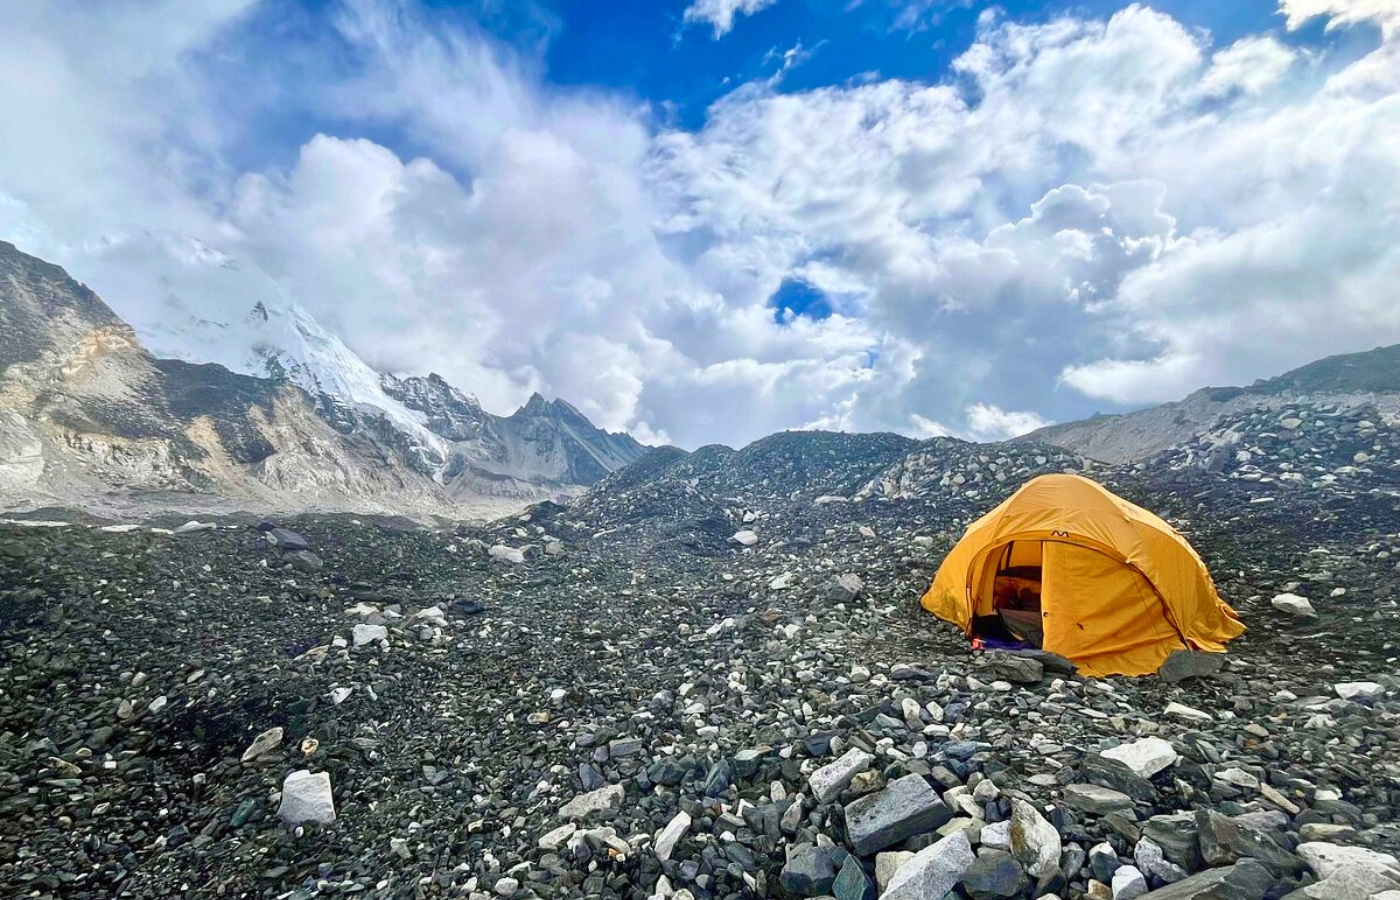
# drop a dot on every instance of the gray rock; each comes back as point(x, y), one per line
point(844, 588)
point(908, 806)
point(1176, 834)
point(1246, 880)
point(995, 875)
point(852, 883)
point(1225, 840)
point(306, 797)
point(1100, 801)
point(809, 871)
point(1104, 861)
point(1185, 664)
point(1107, 772)
point(1019, 669)
point(933, 871)
point(1294, 605)
point(888, 863)
point(1153, 862)
point(287, 541)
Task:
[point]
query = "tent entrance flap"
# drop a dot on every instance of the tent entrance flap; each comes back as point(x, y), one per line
point(1007, 597)
point(1103, 614)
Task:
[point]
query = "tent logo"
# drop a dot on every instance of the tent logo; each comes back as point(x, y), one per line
point(1059, 534)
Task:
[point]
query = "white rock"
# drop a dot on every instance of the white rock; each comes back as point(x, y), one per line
point(1146, 757)
point(667, 837)
point(887, 864)
point(1128, 883)
point(933, 871)
point(368, 634)
point(1238, 777)
point(1034, 842)
point(1348, 873)
point(831, 779)
point(268, 740)
point(505, 887)
point(306, 797)
point(1187, 713)
point(997, 835)
point(557, 838)
point(609, 797)
point(506, 554)
point(1294, 605)
point(1350, 690)
point(781, 582)
point(745, 537)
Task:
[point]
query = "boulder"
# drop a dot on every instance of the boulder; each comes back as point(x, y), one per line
point(906, 807)
point(1185, 664)
point(1351, 690)
point(844, 588)
point(745, 538)
point(1128, 883)
point(367, 634)
point(1225, 840)
point(1015, 668)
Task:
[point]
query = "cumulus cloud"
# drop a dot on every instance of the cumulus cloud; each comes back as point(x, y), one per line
point(1083, 212)
point(720, 14)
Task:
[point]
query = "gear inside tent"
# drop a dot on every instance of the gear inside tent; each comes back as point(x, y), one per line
point(1067, 566)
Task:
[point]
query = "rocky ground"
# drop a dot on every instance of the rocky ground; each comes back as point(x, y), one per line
point(708, 678)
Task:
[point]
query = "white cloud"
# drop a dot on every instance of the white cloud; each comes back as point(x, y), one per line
point(720, 14)
point(991, 423)
point(1085, 210)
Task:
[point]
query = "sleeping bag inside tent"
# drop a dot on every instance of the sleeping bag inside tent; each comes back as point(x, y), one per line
point(1067, 566)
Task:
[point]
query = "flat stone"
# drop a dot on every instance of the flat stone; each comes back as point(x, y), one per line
point(1246, 880)
point(1146, 756)
point(908, 806)
point(556, 839)
point(584, 805)
point(1350, 690)
point(745, 538)
point(830, 780)
point(1100, 801)
point(306, 797)
point(1020, 669)
point(287, 541)
point(933, 871)
point(1110, 773)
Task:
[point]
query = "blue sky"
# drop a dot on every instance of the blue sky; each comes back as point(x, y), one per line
point(708, 220)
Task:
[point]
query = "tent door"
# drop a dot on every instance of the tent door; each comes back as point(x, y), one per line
point(1102, 613)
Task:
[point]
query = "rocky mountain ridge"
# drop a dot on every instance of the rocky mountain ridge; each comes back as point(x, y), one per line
point(1370, 378)
point(89, 418)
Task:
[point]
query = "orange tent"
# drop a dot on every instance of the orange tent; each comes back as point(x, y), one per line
point(1066, 564)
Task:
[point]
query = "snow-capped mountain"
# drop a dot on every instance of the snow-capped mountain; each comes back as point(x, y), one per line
point(258, 407)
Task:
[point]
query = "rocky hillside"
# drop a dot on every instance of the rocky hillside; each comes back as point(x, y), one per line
point(89, 418)
point(1370, 379)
